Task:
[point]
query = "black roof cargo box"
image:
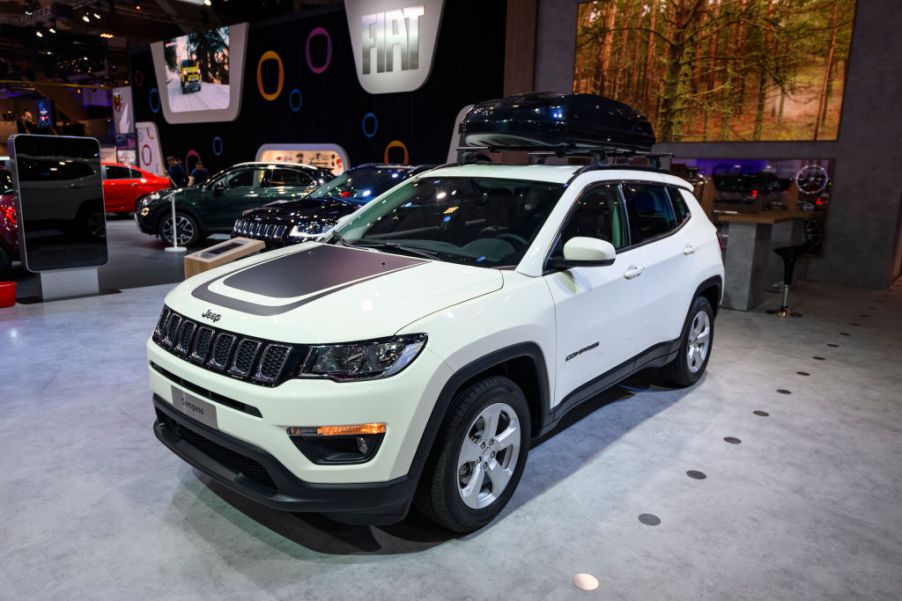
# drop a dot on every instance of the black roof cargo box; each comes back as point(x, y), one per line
point(547, 120)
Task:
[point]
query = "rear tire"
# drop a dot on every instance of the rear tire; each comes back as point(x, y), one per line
point(479, 456)
point(695, 346)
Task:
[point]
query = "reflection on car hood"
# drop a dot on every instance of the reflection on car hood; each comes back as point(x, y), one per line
point(293, 211)
point(320, 293)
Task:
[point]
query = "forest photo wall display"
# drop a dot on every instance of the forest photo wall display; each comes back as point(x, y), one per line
point(720, 70)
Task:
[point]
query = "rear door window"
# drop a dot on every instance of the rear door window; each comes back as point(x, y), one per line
point(680, 208)
point(650, 212)
point(115, 172)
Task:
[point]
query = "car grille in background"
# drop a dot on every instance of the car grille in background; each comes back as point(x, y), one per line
point(259, 230)
point(241, 357)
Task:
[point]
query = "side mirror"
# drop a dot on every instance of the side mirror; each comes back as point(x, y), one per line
point(587, 252)
point(218, 188)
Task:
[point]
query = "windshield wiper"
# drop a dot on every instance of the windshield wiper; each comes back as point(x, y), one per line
point(397, 246)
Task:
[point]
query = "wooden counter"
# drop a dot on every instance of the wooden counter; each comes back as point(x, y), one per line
point(765, 217)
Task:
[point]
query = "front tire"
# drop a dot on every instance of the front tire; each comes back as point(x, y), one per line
point(188, 230)
point(479, 456)
point(695, 346)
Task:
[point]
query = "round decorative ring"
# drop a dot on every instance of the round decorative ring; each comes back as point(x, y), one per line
point(139, 78)
point(146, 154)
point(153, 104)
point(192, 153)
point(270, 55)
point(295, 105)
point(217, 146)
point(396, 144)
point(319, 31)
point(372, 132)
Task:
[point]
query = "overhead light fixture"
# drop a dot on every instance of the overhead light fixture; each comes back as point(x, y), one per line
point(52, 28)
point(208, 3)
point(106, 35)
point(38, 33)
point(96, 15)
point(86, 18)
point(137, 5)
point(31, 7)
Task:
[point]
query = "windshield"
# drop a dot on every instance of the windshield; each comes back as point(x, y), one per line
point(360, 185)
point(489, 222)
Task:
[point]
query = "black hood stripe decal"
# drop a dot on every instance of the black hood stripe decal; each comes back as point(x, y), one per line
point(313, 274)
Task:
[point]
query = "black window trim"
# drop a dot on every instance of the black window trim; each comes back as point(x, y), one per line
point(618, 185)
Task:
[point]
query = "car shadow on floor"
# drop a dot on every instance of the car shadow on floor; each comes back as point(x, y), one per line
point(415, 533)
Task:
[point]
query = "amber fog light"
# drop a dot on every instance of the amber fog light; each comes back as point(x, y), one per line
point(355, 443)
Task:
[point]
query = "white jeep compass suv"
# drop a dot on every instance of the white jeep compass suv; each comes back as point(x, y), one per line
point(415, 353)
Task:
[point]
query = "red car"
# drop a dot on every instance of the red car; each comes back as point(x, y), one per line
point(123, 185)
point(9, 237)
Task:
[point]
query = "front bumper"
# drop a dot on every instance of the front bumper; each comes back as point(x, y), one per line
point(257, 417)
point(254, 473)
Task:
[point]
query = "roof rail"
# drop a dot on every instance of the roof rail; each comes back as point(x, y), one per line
point(600, 156)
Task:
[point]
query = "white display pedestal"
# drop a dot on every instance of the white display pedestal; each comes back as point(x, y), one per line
point(68, 283)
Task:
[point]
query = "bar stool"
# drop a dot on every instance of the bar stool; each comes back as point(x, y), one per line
point(791, 254)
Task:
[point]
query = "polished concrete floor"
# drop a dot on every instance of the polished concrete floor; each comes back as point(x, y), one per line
point(806, 507)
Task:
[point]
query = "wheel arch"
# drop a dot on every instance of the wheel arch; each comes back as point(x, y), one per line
point(711, 289)
point(523, 363)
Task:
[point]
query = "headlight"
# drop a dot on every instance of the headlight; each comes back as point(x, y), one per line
point(362, 360)
point(150, 198)
point(305, 230)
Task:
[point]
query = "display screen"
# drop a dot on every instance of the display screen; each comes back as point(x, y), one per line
point(45, 114)
point(725, 70)
point(60, 196)
point(199, 75)
point(325, 156)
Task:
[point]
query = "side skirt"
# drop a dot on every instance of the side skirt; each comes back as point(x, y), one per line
point(656, 356)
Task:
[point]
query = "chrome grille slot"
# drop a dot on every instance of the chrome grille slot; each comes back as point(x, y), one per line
point(248, 359)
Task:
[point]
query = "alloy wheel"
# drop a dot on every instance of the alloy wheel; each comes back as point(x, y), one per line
point(699, 341)
point(184, 227)
point(488, 455)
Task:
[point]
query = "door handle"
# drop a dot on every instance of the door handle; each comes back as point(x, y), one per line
point(633, 271)
point(689, 249)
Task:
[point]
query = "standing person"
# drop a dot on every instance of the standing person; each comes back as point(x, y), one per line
point(25, 124)
point(198, 175)
point(176, 172)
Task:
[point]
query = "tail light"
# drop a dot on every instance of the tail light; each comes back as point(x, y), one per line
point(9, 214)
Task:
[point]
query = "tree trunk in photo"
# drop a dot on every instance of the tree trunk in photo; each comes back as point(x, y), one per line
point(607, 37)
point(712, 67)
point(650, 55)
point(831, 51)
point(762, 74)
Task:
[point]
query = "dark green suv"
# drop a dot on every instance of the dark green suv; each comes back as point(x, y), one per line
point(212, 207)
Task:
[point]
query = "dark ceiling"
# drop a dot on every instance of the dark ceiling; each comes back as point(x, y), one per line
point(76, 42)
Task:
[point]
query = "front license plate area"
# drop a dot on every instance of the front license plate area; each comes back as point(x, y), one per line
point(194, 407)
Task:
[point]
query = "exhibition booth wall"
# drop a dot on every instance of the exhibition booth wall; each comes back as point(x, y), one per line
point(300, 85)
point(863, 126)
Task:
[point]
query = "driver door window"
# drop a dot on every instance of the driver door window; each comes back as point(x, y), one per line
point(240, 179)
point(598, 213)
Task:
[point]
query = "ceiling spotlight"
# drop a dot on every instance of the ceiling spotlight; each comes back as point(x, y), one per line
point(86, 18)
point(38, 33)
point(106, 35)
point(31, 7)
point(208, 3)
point(96, 15)
point(51, 29)
point(137, 5)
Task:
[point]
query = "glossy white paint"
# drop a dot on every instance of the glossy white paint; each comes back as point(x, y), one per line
point(467, 313)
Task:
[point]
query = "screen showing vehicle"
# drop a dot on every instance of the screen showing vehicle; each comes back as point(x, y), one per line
point(199, 74)
point(724, 70)
point(60, 198)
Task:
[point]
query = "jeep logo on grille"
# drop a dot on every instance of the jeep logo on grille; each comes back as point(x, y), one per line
point(214, 317)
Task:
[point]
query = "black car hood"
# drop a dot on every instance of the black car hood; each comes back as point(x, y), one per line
point(293, 211)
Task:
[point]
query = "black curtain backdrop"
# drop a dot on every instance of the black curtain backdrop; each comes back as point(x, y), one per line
point(468, 67)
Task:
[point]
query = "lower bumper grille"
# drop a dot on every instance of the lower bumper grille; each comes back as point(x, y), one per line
point(238, 463)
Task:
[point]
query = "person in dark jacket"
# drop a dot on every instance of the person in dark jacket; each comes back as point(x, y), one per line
point(199, 174)
point(177, 173)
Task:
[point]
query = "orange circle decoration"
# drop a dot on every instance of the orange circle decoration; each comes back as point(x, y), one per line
point(270, 55)
point(396, 144)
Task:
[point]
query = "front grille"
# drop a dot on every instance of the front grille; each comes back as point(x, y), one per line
point(238, 463)
point(259, 230)
point(248, 359)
